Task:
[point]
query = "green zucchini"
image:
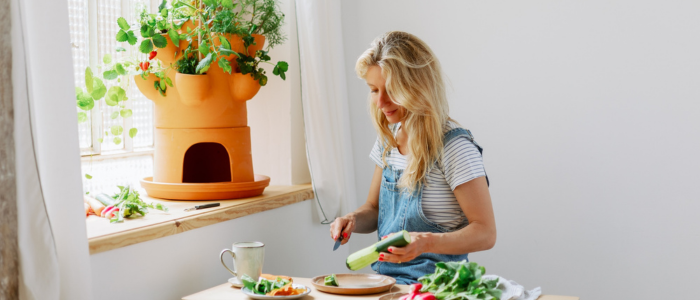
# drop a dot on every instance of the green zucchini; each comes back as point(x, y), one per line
point(330, 280)
point(367, 256)
point(105, 199)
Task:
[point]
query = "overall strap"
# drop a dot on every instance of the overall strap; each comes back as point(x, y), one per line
point(457, 132)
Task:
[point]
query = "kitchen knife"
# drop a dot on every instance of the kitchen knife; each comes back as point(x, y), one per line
point(337, 242)
point(202, 206)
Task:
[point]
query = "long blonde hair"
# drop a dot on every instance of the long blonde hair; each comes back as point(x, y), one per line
point(413, 81)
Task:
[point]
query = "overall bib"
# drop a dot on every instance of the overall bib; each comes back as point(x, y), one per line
point(399, 210)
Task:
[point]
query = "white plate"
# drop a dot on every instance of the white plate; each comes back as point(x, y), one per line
point(235, 283)
point(263, 297)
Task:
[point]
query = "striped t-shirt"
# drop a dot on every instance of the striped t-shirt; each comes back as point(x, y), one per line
point(461, 162)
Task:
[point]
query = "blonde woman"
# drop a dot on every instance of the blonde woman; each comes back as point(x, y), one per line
point(429, 178)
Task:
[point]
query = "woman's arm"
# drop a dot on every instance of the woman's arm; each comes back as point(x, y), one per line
point(474, 199)
point(364, 219)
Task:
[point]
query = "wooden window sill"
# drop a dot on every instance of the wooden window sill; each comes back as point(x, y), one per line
point(103, 236)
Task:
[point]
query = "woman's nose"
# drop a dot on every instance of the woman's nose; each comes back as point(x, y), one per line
point(382, 100)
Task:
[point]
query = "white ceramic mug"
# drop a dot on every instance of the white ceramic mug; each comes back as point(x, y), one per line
point(247, 259)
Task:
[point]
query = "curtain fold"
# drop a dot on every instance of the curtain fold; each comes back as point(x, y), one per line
point(325, 105)
point(54, 256)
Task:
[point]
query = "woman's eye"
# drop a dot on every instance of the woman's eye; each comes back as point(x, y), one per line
point(373, 91)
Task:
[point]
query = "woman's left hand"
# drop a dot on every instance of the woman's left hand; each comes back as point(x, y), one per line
point(420, 243)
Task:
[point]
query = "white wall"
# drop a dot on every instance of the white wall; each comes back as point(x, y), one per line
point(589, 115)
point(275, 116)
point(179, 265)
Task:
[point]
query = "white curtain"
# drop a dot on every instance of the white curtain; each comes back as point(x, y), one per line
point(54, 257)
point(324, 97)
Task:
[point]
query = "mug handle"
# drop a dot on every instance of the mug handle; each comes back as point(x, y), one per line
point(221, 256)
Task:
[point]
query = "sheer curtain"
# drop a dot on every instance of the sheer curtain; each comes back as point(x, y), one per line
point(325, 105)
point(54, 257)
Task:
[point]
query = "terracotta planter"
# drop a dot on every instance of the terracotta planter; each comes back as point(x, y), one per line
point(167, 55)
point(237, 44)
point(146, 86)
point(193, 89)
point(242, 87)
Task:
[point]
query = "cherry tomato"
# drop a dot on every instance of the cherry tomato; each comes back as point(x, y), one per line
point(144, 65)
point(152, 54)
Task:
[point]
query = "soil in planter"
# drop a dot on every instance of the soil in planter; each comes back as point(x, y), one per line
point(206, 162)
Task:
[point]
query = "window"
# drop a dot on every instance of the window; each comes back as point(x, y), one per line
point(108, 158)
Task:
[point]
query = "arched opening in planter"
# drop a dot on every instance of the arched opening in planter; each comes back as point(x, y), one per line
point(206, 162)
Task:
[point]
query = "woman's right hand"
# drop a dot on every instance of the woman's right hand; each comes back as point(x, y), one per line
point(344, 226)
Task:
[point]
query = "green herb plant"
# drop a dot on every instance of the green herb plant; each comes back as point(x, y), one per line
point(460, 281)
point(264, 17)
point(111, 80)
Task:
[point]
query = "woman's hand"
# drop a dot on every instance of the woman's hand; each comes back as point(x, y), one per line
point(344, 225)
point(421, 242)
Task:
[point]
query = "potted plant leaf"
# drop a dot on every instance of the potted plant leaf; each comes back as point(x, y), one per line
point(191, 80)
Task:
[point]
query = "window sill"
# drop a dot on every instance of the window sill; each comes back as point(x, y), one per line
point(103, 236)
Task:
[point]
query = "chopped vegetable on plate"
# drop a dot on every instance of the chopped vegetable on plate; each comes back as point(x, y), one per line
point(277, 287)
point(330, 280)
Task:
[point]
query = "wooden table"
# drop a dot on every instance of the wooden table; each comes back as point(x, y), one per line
point(226, 292)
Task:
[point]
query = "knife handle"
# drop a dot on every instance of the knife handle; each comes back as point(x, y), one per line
point(206, 205)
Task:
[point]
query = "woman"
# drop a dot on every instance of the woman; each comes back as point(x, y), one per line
point(429, 178)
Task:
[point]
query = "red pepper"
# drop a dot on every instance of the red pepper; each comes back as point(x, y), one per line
point(152, 54)
point(144, 65)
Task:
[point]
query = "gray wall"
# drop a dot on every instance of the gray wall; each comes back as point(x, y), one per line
point(589, 114)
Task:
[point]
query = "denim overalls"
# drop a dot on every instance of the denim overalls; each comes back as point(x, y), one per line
point(399, 210)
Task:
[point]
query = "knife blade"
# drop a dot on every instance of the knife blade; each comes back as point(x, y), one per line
point(337, 242)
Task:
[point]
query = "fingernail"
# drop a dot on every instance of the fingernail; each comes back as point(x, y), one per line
point(381, 256)
point(335, 237)
point(381, 259)
point(384, 237)
point(345, 235)
point(391, 250)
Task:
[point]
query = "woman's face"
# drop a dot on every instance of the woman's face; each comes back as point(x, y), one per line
point(376, 82)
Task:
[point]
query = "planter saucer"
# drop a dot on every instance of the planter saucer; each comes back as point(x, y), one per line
point(205, 191)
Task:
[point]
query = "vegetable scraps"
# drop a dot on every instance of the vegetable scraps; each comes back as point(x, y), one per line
point(330, 280)
point(460, 281)
point(128, 205)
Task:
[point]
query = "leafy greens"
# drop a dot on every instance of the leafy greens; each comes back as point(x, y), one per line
point(460, 281)
point(263, 286)
point(129, 204)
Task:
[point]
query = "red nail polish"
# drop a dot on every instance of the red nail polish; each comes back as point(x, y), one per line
point(381, 256)
point(345, 235)
point(381, 259)
point(391, 250)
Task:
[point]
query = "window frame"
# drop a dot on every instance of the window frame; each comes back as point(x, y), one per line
point(95, 151)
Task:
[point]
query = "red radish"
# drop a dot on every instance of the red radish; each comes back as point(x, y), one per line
point(110, 214)
point(425, 296)
point(152, 54)
point(106, 210)
point(414, 293)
